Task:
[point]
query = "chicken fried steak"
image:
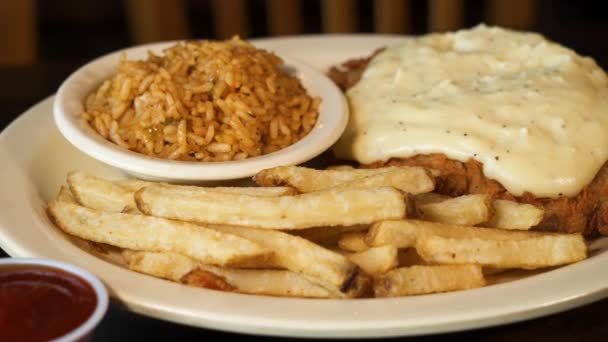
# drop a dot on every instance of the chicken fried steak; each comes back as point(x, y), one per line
point(585, 211)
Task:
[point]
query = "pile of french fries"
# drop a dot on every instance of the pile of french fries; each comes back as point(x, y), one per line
point(335, 233)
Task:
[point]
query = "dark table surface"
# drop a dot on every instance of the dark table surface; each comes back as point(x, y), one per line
point(27, 85)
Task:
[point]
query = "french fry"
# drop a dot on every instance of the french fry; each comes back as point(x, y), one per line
point(272, 283)
point(271, 191)
point(416, 280)
point(182, 269)
point(132, 211)
point(506, 214)
point(490, 271)
point(534, 252)
point(175, 267)
point(429, 197)
point(401, 234)
point(327, 268)
point(167, 265)
point(412, 180)
point(327, 236)
point(513, 215)
point(340, 167)
point(307, 179)
point(376, 260)
point(322, 208)
point(133, 184)
point(65, 195)
point(99, 194)
point(141, 232)
point(409, 257)
point(206, 279)
point(353, 242)
point(405, 233)
point(468, 210)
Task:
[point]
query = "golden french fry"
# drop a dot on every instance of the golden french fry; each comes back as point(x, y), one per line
point(416, 280)
point(412, 180)
point(206, 279)
point(405, 233)
point(141, 232)
point(135, 185)
point(353, 242)
point(507, 214)
point(91, 246)
point(376, 260)
point(65, 195)
point(490, 271)
point(307, 179)
point(322, 208)
point(340, 167)
point(513, 215)
point(534, 252)
point(429, 197)
point(468, 210)
point(409, 257)
point(401, 234)
point(99, 194)
point(180, 268)
point(165, 265)
point(272, 283)
point(327, 236)
point(272, 191)
point(175, 267)
point(132, 211)
point(327, 268)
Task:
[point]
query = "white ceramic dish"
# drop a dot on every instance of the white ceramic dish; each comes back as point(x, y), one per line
point(35, 159)
point(333, 116)
point(86, 328)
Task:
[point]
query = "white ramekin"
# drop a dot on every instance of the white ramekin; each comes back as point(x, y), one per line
point(84, 330)
point(68, 106)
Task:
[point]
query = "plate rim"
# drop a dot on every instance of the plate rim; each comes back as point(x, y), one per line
point(568, 298)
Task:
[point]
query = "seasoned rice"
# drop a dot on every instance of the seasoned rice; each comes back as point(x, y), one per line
point(202, 101)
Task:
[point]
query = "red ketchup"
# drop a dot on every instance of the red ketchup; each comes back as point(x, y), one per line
point(38, 303)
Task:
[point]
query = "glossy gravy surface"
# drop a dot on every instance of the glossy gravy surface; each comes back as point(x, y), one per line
point(533, 112)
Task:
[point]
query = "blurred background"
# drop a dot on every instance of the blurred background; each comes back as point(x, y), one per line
point(43, 41)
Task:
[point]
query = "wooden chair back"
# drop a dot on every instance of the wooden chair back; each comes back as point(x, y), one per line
point(157, 20)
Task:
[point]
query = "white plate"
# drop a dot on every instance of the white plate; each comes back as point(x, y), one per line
point(35, 160)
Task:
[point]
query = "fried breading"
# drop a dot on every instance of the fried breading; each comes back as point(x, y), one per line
point(585, 213)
